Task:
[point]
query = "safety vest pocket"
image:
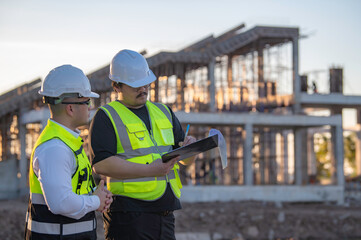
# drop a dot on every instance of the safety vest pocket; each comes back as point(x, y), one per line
point(137, 135)
point(166, 130)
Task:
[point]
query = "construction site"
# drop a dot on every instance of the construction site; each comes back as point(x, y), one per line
point(275, 120)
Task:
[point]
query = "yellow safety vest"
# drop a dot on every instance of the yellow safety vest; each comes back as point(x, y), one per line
point(136, 144)
point(39, 219)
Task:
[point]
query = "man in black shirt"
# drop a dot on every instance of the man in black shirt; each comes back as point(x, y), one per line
point(127, 138)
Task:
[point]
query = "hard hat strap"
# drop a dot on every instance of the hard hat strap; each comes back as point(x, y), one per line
point(57, 100)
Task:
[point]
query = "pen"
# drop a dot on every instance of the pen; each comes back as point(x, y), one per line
point(186, 132)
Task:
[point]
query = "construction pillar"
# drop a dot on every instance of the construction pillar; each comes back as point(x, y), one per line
point(285, 156)
point(296, 77)
point(272, 167)
point(180, 85)
point(333, 147)
point(3, 138)
point(358, 151)
point(336, 80)
point(23, 164)
point(230, 81)
point(156, 84)
point(247, 154)
point(261, 83)
point(262, 158)
point(358, 143)
point(298, 155)
point(337, 135)
point(312, 163)
point(212, 85)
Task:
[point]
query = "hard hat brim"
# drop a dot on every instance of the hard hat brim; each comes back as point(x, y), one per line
point(139, 83)
point(91, 94)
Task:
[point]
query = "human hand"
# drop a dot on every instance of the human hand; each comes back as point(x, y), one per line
point(188, 140)
point(109, 199)
point(104, 197)
point(159, 168)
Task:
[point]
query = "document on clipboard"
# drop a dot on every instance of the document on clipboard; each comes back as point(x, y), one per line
point(192, 149)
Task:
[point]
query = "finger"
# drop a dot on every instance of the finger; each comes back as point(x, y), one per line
point(180, 144)
point(101, 184)
point(189, 140)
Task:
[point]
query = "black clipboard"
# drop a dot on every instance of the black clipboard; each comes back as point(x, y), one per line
point(192, 149)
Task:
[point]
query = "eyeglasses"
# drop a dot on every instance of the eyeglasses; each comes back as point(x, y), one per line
point(86, 102)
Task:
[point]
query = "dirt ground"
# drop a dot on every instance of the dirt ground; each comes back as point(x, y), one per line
point(233, 220)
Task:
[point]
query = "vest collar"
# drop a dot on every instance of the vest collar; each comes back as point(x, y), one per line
point(69, 137)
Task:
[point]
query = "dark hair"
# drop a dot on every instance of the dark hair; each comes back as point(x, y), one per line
point(116, 84)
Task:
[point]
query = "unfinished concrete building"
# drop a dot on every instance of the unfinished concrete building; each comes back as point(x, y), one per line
point(245, 83)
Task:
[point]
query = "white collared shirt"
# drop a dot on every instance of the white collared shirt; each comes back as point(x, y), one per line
point(54, 164)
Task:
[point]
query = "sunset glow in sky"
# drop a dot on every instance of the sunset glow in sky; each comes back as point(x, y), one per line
point(38, 35)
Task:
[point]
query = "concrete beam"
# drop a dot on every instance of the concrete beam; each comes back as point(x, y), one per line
point(330, 100)
point(34, 116)
point(262, 193)
point(42, 116)
point(258, 119)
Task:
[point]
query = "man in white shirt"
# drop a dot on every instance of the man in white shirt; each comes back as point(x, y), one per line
point(62, 200)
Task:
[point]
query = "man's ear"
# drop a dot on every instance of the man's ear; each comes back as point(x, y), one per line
point(69, 110)
point(117, 88)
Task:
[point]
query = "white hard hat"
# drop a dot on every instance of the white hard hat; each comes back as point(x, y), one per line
point(131, 68)
point(66, 79)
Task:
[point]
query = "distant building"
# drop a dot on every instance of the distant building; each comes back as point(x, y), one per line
point(246, 83)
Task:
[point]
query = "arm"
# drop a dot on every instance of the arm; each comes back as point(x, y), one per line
point(119, 168)
point(54, 164)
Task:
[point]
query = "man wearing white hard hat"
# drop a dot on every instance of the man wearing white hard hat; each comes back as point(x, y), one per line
point(128, 137)
point(62, 197)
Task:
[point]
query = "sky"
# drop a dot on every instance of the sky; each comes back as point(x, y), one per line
point(38, 35)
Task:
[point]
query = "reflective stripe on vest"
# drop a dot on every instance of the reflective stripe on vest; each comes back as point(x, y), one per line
point(145, 148)
point(144, 151)
point(55, 228)
point(170, 175)
point(37, 198)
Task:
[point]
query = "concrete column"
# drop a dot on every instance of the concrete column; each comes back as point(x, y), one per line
point(311, 156)
point(296, 77)
point(298, 155)
point(272, 158)
point(333, 147)
point(23, 164)
point(3, 137)
point(212, 85)
point(262, 158)
point(337, 135)
point(247, 154)
point(358, 152)
point(261, 84)
point(339, 155)
point(180, 85)
point(285, 156)
point(358, 143)
point(156, 84)
point(229, 80)
point(304, 157)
